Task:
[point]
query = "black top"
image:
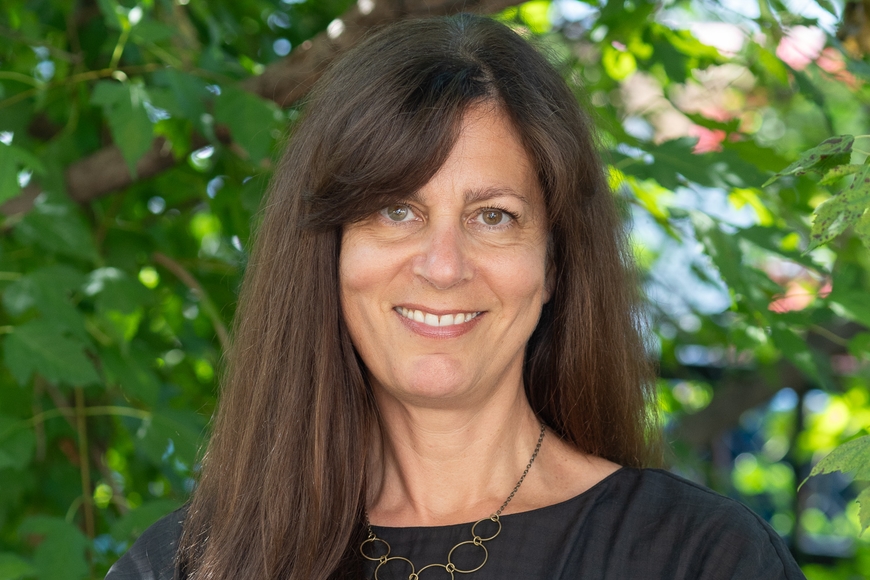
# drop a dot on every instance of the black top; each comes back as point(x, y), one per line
point(635, 524)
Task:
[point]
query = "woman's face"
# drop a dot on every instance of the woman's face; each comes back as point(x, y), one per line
point(441, 291)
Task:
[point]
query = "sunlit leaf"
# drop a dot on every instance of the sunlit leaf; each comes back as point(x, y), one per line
point(852, 457)
point(619, 64)
point(864, 512)
point(862, 228)
point(535, 15)
point(838, 172)
point(821, 158)
point(842, 210)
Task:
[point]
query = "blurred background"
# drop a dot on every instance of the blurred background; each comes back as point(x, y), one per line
point(137, 138)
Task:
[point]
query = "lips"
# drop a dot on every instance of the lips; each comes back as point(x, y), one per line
point(434, 320)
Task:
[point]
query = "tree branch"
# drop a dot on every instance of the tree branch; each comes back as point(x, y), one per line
point(207, 305)
point(284, 82)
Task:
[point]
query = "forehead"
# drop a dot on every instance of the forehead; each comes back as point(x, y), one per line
point(488, 160)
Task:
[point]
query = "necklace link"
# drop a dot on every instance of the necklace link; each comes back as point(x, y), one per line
point(477, 541)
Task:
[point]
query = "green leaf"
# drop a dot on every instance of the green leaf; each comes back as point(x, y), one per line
point(674, 162)
point(836, 173)
point(152, 31)
point(862, 229)
point(171, 434)
point(769, 238)
point(859, 345)
point(721, 247)
point(771, 64)
point(688, 44)
point(829, 6)
point(810, 91)
point(864, 502)
point(796, 350)
point(850, 304)
point(38, 346)
point(132, 524)
point(48, 290)
point(124, 108)
point(133, 373)
point(842, 210)
point(727, 126)
point(115, 290)
point(251, 120)
point(619, 64)
point(55, 224)
point(182, 94)
point(762, 158)
point(13, 567)
point(17, 444)
point(673, 61)
point(12, 160)
point(850, 457)
point(60, 554)
point(821, 158)
point(9, 187)
point(109, 8)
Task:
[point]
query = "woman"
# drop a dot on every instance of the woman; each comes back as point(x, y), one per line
point(438, 327)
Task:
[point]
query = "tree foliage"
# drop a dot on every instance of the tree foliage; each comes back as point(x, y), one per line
point(136, 139)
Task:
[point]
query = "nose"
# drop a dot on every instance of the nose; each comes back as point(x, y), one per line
point(443, 259)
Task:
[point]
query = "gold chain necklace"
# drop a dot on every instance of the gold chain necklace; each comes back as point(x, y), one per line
point(476, 540)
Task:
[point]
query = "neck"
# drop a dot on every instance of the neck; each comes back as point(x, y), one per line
point(440, 466)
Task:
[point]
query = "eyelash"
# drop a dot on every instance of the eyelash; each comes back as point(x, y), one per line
point(512, 215)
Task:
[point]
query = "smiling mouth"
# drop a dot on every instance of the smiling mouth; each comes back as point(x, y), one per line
point(434, 320)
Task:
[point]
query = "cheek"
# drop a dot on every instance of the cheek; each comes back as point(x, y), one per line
point(521, 279)
point(365, 270)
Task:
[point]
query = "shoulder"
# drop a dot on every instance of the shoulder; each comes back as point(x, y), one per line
point(723, 537)
point(659, 492)
point(152, 556)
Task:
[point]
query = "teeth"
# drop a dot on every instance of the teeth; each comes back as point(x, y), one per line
point(433, 320)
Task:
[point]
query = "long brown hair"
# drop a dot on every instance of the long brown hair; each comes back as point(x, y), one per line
point(282, 489)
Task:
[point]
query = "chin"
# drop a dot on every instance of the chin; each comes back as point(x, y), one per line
point(434, 379)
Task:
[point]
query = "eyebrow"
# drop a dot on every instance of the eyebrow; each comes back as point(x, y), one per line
point(477, 195)
point(483, 194)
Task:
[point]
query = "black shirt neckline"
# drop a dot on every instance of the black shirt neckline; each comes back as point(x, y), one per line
point(512, 516)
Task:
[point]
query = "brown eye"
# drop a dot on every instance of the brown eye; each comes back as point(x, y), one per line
point(493, 217)
point(397, 212)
